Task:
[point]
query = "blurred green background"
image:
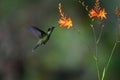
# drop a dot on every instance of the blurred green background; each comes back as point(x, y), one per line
point(68, 55)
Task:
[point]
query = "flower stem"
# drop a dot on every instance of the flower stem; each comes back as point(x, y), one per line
point(95, 57)
point(98, 72)
point(103, 73)
point(100, 35)
point(109, 60)
point(110, 57)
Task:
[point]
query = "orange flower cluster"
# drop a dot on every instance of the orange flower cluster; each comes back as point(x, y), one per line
point(64, 21)
point(102, 14)
point(97, 11)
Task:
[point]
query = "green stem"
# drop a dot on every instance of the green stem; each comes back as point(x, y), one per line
point(93, 29)
point(100, 35)
point(109, 60)
point(110, 57)
point(98, 72)
point(93, 32)
point(103, 74)
point(96, 58)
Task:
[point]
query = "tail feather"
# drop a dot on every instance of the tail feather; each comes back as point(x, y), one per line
point(35, 47)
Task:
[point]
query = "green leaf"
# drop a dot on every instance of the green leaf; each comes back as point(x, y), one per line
point(103, 74)
point(95, 58)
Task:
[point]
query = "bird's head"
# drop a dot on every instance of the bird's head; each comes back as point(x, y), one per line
point(51, 28)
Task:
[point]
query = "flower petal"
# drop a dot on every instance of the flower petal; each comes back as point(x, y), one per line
point(64, 21)
point(93, 14)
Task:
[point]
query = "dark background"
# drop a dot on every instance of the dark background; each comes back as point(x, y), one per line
point(68, 55)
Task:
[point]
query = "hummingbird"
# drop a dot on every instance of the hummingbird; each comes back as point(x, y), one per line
point(43, 36)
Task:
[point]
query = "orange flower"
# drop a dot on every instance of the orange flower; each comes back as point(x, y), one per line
point(102, 14)
point(93, 14)
point(97, 11)
point(64, 21)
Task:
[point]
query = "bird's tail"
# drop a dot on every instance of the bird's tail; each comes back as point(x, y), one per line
point(35, 47)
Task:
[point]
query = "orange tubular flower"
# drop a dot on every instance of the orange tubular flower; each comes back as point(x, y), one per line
point(97, 11)
point(102, 14)
point(64, 21)
point(93, 14)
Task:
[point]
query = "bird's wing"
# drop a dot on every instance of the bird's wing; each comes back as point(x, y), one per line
point(36, 31)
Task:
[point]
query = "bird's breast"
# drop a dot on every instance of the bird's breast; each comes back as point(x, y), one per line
point(45, 39)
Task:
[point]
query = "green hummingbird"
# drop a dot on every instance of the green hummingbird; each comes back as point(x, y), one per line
point(43, 36)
